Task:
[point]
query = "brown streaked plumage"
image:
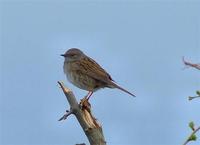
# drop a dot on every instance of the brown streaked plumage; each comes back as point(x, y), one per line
point(85, 73)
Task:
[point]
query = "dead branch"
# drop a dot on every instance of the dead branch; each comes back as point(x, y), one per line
point(194, 65)
point(83, 113)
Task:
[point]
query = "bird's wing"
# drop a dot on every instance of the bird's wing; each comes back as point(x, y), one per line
point(89, 67)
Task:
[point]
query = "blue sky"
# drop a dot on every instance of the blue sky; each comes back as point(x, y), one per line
point(140, 43)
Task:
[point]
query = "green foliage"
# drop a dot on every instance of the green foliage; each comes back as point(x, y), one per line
point(191, 125)
point(192, 138)
point(198, 92)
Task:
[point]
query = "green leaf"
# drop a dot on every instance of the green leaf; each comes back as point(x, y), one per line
point(192, 138)
point(191, 125)
point(198, 93)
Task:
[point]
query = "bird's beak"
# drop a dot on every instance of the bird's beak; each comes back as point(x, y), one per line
point(62, 55)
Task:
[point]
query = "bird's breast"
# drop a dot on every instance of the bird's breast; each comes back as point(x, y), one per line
point(78, 78)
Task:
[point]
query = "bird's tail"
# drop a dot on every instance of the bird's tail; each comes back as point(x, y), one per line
point(113, 85)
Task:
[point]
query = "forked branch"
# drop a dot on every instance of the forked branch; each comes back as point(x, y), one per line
point(82, 111)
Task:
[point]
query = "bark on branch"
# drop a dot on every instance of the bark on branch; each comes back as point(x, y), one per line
point(82, 111)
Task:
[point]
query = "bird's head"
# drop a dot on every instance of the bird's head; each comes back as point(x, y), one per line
point(73, 54)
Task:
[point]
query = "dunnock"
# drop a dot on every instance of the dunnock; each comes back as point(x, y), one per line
point(85, 73)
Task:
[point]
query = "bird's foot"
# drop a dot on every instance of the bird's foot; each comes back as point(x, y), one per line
point(84, 103)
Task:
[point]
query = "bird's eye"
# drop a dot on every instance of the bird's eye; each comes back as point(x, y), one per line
point(72, 55)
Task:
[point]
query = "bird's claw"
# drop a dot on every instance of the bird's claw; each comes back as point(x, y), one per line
point(84, 103)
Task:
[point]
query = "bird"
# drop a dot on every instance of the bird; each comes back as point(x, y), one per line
point(85, 73)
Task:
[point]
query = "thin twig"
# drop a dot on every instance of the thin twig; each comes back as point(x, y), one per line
point(194, 65)
point(67, 113)
point(193, 133)
point(191, 98)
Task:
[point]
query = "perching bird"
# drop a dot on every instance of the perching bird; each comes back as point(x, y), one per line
point(86, 74)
